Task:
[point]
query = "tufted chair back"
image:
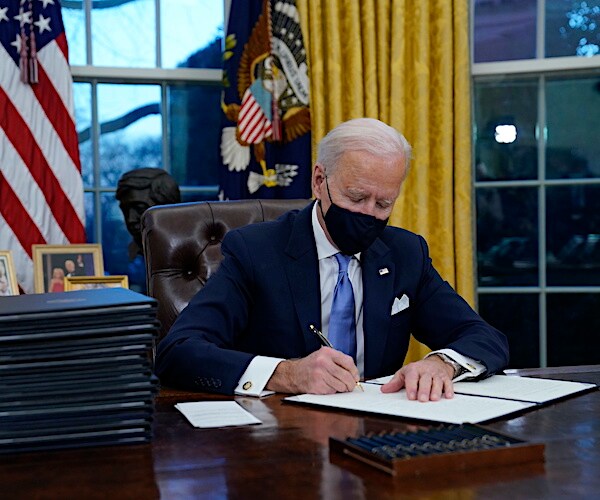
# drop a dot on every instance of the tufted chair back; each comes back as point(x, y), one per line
point(182, 245)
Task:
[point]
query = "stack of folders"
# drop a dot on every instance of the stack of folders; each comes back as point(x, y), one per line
point(75, 369)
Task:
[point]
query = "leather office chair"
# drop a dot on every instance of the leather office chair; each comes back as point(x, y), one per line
point(182, 245)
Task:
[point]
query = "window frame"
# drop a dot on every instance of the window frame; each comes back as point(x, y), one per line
point(95, 75)
point(540, 68)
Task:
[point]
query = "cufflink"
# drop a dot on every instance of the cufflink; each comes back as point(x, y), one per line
point(247, 386)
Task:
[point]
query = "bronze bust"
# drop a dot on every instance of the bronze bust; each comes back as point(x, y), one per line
point(138, 190)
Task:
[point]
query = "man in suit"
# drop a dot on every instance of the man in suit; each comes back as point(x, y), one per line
point(248, 329)
point(75, 270)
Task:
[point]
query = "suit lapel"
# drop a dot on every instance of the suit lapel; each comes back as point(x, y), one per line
point(302, 269)
point(378, 294)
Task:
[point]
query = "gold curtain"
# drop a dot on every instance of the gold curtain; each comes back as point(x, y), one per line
point(405, 62)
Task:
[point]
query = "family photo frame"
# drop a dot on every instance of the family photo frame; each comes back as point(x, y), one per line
point(8, 275)
point(90, 282)
point(53, 263)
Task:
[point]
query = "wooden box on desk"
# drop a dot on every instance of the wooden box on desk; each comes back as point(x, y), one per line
point(518, 452)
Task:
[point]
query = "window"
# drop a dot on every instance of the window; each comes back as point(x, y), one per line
point(147, 94)
point(536, 92)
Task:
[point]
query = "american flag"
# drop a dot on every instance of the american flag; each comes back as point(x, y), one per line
point(41, 189)
point(254, 122)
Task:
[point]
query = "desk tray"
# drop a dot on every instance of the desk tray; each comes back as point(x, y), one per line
point(438, 450)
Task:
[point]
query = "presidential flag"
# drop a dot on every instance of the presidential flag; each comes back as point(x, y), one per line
point(265, 139)
point(41, 189)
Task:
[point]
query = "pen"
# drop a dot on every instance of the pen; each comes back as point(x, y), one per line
point(325, 342)
point(322, 339)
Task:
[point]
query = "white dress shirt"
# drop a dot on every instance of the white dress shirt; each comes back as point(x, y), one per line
point(260, 369)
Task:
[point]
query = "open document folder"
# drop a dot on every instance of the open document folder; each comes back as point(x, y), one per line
point(487, 399)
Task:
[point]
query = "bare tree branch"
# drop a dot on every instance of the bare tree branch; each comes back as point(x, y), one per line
point(121, 122)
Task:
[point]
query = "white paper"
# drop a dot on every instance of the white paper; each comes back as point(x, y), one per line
point(207, 414)
point(261, 394)
point(458, 410)
point(535, 390)
point(381, 380)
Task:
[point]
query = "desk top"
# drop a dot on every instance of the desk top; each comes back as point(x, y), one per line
point(288, 456)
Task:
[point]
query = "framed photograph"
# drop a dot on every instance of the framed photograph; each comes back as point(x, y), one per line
point(53, 263)
point(90, 282)
point(8, 275)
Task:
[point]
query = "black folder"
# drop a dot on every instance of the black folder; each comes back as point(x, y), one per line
point(75, 369)
point(81, 307)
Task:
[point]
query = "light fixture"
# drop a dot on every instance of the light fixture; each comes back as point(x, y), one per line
point(505, 134)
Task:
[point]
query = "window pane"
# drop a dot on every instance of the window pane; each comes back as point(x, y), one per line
point(573, 117)
point(191, 33)
point(124, 33)
point(90, 219)
point(209, 195)
point(521, 326)
point(86, 155)
point(82, 97)
point(504, 31)
point(573, 229)
point(74, 20)
point(195, 134)
point(506, 118)
point(572, 28)
point(130, 128)
point(573, 326)
point(507, 236)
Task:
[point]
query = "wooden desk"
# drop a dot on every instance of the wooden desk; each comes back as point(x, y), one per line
point(287, 457)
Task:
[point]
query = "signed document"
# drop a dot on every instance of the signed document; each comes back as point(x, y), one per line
point(534, 390)
point(458, 410)
point(473, 402)
point(530, 389)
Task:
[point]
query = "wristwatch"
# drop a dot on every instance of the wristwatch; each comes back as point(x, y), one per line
point(458, 368)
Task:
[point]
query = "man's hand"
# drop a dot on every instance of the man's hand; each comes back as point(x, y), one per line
point(325, 371)
point(425, 380)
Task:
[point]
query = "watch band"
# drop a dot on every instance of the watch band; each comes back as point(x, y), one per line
point(458, 368)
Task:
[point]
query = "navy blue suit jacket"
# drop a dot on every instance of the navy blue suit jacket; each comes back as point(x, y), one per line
point(266, 293)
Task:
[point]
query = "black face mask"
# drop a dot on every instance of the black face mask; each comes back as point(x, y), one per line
point(352, 232)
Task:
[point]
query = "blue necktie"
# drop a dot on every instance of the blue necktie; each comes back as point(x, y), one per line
point(342, 324)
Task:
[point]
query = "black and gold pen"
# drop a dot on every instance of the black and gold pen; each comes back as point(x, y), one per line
point(324, 341)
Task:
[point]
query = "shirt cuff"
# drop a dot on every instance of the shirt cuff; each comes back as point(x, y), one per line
point(255, 378)
point(472, 368)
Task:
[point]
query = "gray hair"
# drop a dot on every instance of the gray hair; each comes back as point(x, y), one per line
point(362, 134)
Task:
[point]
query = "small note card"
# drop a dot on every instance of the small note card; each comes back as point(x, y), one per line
point(206, 414)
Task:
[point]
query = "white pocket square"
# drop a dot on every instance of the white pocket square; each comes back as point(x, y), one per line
point(400, 304)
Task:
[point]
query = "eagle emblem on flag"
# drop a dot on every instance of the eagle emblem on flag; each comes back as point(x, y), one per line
point(273, 91)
